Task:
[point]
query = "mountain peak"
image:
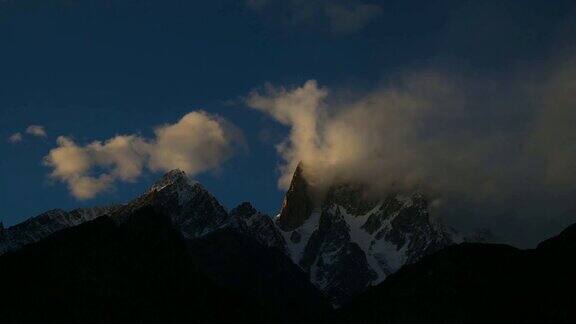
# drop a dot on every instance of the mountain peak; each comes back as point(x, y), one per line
point(298, 204)
point(170, 178)
point(244, 209)
point(353, 231)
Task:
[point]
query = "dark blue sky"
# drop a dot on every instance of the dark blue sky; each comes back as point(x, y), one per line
point(95, 69)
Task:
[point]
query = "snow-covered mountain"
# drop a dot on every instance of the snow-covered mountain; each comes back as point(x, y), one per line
point(45, 224)
point(351, 241)
point(191, 208)
point(195, 212)
point(345, 244)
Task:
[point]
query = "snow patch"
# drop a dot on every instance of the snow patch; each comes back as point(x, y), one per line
point(296, 250)
point(363, 239)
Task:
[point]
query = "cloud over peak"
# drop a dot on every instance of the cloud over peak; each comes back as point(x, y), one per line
point(197, 142)
point(299, 108)
point(442, 134)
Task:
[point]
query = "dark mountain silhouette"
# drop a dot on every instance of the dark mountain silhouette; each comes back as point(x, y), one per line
point(100, 272)
point(270, 279)
point(478, 283)
point(142, 271)
point(172, 254)
point(176, 255)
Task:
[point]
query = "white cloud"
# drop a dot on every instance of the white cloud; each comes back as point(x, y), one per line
point(196, 143)
point(300, 109)
point(84, 187)
point(15, 138)
point(36, 130)
point(372, 139)
point(438, 133)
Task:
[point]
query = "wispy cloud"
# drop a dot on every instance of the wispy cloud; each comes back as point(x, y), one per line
point(33, 130)
point(15, 138)
point(433, 131)
point(36, 130)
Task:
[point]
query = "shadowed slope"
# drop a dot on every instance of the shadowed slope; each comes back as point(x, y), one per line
point(478, 283)
point(100, 272)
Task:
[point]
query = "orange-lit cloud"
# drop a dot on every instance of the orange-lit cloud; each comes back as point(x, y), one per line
point(197, 142)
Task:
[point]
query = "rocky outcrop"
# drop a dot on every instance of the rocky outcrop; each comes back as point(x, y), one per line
point(247, 220)
point(355, 239)
point(346, 243)
point(193, 210)
point(298, 205)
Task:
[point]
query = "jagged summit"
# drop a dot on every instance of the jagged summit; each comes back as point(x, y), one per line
point(244, 209)
point(193, 210)
point(172, 177)
point(246, 219)
point(354, 238)
point(298, 203)
point(346, 243)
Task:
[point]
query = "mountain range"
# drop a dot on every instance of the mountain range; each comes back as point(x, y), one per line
point(176, 254)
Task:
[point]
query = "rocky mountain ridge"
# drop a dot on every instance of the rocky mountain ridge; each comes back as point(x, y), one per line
point(379, 258)
point(237, 253)
point(352, 240)
point(346, 245)
point(45, 224)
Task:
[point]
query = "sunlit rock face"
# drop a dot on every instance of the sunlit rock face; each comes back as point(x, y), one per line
point(354, 240)
point(298, 204)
